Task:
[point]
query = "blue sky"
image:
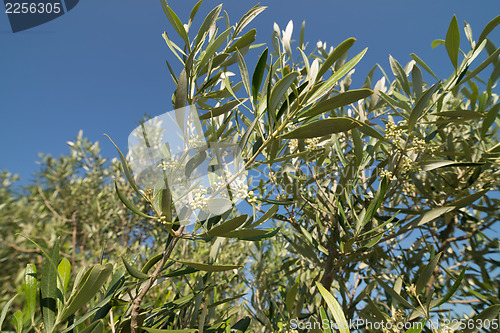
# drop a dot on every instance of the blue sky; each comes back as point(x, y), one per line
point(101, 66)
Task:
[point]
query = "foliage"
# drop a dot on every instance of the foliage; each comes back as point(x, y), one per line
point(383, 200)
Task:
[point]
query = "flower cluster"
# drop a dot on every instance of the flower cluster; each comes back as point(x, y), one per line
point(311, 143)
point(392, 132)
point(168, 165)
point(388, 174)
point(397, 317)
point(409, 165)
point(293, 144)
point(200, 199)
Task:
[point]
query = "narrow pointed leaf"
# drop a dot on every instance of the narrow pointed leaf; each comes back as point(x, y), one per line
point(210, 20)
point(224, 108)
point(244, 73)
point(420, 106)
point(134, 271)
point(258, 74)
point(227, 226)
point(423, 65)
point(335, 55)
point(126, 170)
point(129, 204)
point(489, 28)
point(400, 75)
point(453, 289)
point(243, 42)
point(323, 127)
point(426, 273)
point(175, 22)
point(333, 80)
point(95, 277)
point(208, 267)
point(395, 296)
point(335, 309)
point(337, 101)
point(279, 90)
point(30, 290)
point(452, 42)
point(247, 18)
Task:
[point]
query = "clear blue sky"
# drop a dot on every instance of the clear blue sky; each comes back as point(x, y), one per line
point(101, 66)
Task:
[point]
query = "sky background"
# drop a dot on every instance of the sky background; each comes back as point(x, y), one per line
point(101, 66)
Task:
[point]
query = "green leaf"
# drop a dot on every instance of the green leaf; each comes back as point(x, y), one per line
point(395, 296)
point(337, 101)
point(423, 65)
point(227, 226)
point(151, 262)
point(433, 165)
point(374, 241)
point(175, 22)
point(134, 271)
point(208, 267)
point(126, 169)
point(437, 42)
point(4, 310)
point(210, 20)
point(17, 319)
point(244, 73)
point(252, 234)
point(64, 270)
point(468, 200)
point(243, 42)
point(258, 74)
point(426, 273)
point(247, 18)
point(491, 116)
point(224, 108)
point(489, 28)
point(213, 47)
point(92, 327)
point(129, 204)
point(290, 299)
point(193, 12)
point(267, 215)
point(87, 288)
point(493, 57)
point(279, 90)
point(332, 81)
point(323, 127)
point(460, 113)
point(375, 203)
point(488, 314)
point(454, 288)
point(420, 106)
point(400, 75)
point(335, 309)
point(181, 96)
point(30, 290)
point(417, 82)
point(334, 56)
point(433, 214)
point(452, 42)
point(48, 288)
